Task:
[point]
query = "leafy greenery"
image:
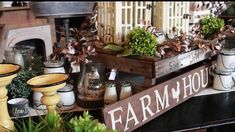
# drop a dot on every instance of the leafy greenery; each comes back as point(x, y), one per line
point(86, 123)
point(54, 122)
point(211, 25)
point(142, 42)
point(18, 88)
point(113, 47)
point(37, 64)
point(29, 126)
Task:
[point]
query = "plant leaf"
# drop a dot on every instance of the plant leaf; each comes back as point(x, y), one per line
point(112, 47)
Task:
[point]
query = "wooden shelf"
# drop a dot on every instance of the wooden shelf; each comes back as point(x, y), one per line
point(14, 8)
point(35, 112)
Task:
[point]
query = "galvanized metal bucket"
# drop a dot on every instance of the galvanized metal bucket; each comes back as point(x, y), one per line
point(223, 80)
point(62, 9)
point(226, 61)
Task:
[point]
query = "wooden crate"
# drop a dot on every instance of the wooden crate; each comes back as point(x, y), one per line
point(150, 67)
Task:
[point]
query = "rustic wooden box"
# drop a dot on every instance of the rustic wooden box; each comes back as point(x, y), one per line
point(150, 67)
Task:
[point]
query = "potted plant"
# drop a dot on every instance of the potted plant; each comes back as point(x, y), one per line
point(142, 42)
point(210, 26)
point(54, 122)
point(19, 88)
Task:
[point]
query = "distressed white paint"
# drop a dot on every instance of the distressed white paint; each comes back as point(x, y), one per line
point(169, 14)
point(131, 112)
point(164, 103)
point(146, 107)
point(113, 120)
point(176, 93)
point(14, 36)
point(118, 18)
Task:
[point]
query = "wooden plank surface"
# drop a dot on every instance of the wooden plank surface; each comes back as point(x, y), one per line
point(150, 67)
point(180, 61)
point(133, 112)
point(125, 64)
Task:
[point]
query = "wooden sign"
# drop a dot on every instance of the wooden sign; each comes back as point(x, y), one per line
point(133, 112)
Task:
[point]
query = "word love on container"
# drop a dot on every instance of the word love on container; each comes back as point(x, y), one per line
point(18, 107)
point(131, 113)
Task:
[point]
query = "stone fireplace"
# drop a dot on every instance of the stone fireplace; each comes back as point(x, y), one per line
point(18, 24)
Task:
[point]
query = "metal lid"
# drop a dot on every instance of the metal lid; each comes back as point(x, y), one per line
point(220, 72)
point(62, 9)
point(227, 52)
point(125, 84)
point(110, 84)
point(68, 87)
point(53, 63)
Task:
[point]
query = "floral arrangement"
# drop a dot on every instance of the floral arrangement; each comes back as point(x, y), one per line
point(81, 43)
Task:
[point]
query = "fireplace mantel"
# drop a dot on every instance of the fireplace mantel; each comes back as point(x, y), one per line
point(19, 24)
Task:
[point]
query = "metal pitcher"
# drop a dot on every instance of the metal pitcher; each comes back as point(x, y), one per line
point(21, 55)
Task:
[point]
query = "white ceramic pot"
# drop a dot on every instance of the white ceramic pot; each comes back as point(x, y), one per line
point(37, 104)
point(226, 61)
point(18, 107)
point(223, 80)
point(125, 90)
point(54, 66)
point(67, 97)
point(110, 95)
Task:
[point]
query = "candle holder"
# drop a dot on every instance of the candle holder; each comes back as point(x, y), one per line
point(48, 84)
point(7, 73)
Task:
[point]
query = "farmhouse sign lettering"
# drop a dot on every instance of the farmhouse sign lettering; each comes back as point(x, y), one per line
point(133, 112)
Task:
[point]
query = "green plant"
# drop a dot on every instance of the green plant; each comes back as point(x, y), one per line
point(142, 42)
point(54, 122)
point(18, 88)
point(29, 126)
point(37, 64)
point(86, 123)
point(210, 25)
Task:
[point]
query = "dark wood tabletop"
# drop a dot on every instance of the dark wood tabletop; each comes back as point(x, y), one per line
point(199, 112)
